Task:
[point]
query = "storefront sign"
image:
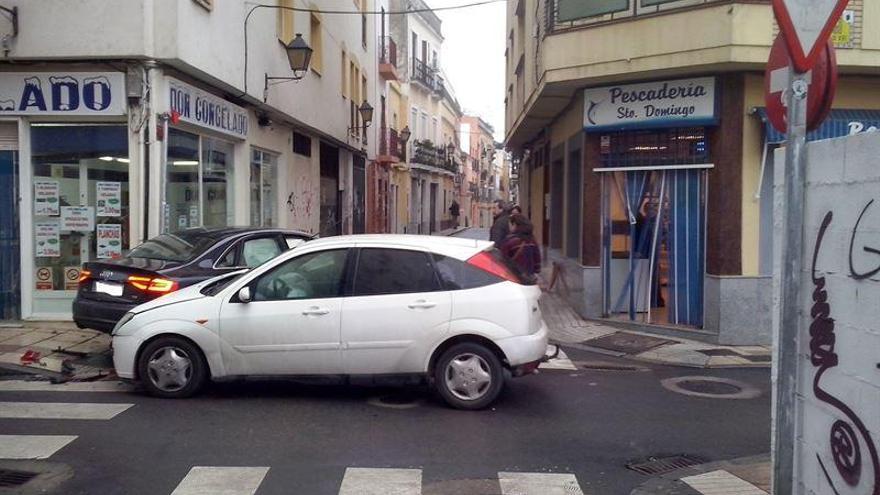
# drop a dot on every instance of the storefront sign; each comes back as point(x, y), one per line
point(109, 199)
point(62, 93)
point(206, 110)
point(71, 277)
point(650, 105)
point(47, 238)
point(43, 278)
point(46, 198)
point(77, 218)
point(109, 241)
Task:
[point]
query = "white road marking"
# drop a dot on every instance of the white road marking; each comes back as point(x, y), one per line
point(560, 362)
point(722, 483)
point(368, 481)
point(32, 446)
point(209, 480)
point(539, 484)
point(60, 410)
point(44, 386)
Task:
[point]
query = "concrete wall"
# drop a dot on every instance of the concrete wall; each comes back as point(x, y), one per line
point(837, 413)
point(738, 309)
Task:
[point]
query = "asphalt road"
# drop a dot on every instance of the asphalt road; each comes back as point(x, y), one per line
point(589, 423)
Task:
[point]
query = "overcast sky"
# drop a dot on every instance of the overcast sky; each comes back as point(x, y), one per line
point(473, 57)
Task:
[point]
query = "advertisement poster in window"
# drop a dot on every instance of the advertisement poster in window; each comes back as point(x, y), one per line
point(43, 278)
point(48, 240)
point(46, 198)
point(77, 218)
point(109, 199)
point(109, 241)
point(842, 36)
point(71, 277)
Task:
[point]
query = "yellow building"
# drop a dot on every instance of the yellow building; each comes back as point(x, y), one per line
point(644, 158)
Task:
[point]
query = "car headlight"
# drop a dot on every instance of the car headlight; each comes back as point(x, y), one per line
point(122, 321)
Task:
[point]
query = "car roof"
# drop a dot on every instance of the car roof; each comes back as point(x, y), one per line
point(448, 246)
point(218, 233)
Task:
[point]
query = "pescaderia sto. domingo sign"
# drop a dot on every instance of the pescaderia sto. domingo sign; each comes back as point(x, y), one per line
point(654, 104)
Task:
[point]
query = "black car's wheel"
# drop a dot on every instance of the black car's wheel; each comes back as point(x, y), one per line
point(469, 376)
point(172, 367)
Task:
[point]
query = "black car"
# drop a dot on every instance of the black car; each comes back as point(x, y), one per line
point(108, 289)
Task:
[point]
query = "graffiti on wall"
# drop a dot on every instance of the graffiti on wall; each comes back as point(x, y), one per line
point(301, 203)
point(850, 444)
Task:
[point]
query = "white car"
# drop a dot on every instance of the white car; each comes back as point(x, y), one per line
point(454, 311)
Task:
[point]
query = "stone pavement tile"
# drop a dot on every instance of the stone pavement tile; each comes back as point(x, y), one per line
point(660, 486)
point(668, 354)
point(579, 334)
point(90, 346)
point(73, 336)
point(721, 482)
point(53, 344)
point(758, 474)
point(52, 362)
point(752, 350)
point(10, 332)
point(728, 361)
point(29, 338)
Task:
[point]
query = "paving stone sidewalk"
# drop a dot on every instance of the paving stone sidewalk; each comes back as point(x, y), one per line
point(58, 349)
point(743, 476)
point(568, 328)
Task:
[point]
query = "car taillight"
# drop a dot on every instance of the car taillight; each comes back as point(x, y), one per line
point(154, 285)
point(84, 275)
point(486, 262)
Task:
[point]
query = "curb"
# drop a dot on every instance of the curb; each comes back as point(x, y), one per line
point(670, 483)
point(585, 346)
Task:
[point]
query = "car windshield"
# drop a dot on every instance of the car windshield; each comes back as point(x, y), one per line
point(220, 283)
point(173, 247)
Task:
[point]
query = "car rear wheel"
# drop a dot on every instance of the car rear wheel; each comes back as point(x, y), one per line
point(172, 367)
point(469, 376)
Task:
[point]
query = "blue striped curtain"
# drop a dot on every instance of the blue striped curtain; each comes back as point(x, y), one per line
point(686, 247)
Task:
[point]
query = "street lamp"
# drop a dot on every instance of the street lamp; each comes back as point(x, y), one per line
point(299, 55)
point(404, 136)
point(366, 111)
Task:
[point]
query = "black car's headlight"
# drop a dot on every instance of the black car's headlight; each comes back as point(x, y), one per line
point(122, 321)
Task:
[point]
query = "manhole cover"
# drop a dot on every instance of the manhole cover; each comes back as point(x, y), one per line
point(12, 478)
point(710, 387)
point(399, 400)
point(656, 466)
point(707, 387)
point(626, 342)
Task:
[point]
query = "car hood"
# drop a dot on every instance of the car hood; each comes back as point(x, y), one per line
point(186, 294)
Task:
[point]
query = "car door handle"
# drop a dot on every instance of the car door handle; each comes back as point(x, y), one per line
point(316, 311)
point(422, 304)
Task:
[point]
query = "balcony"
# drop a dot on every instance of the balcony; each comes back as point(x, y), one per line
point(424, 74)
point(390, 149)
point(388, 58)
point(561, 15)
point(426, 154)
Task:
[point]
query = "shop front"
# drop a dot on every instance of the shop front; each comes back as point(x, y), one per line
point(68, 142)
point(653, 160)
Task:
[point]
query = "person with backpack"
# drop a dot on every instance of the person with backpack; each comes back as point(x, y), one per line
point(521, 247)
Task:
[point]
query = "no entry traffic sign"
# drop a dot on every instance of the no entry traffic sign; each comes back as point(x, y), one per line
point(822, 85)
point(807, 26)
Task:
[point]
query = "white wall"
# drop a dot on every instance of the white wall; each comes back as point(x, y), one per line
point(840, 345)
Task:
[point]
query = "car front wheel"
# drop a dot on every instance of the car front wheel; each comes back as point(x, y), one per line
point(469, 376)
point(172, 367)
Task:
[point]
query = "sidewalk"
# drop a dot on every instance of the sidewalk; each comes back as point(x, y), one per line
point(743, 476)
point(59, 350)
point(567, 328)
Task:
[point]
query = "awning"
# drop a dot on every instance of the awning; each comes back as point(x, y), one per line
point(841, 122)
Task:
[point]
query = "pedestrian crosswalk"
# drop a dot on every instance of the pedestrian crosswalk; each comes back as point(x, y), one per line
point(560, 362)
point(32, 446)
point(203, 480)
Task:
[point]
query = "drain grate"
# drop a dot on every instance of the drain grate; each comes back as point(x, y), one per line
point(655, 466)
point(11, 477)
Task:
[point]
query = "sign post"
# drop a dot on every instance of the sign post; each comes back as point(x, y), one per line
point(806, 26)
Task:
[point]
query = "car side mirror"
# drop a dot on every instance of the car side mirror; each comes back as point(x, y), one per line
point(244, 295)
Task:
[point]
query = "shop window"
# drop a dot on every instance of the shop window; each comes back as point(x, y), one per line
point(81, 204)
point(264, 188)
point(199, 182)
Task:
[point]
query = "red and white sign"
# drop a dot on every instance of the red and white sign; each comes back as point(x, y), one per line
point(807, 26)
point(822, 81)
point(44, 278)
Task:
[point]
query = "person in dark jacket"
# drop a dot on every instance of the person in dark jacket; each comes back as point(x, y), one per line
point(501, 218)
point(521, 247)
point(454, 211)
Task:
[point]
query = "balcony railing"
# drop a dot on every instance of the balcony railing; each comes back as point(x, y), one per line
point(425, 153)
point(387, 51)
point(389, 144)
point(423, 73)
point(560, 15)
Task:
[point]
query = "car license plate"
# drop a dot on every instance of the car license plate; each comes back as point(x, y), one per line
point(112, 289)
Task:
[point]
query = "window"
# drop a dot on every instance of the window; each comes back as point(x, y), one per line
point(284, 21)
point(317, 44)
point(343, 78)
point(255, 252)
point(456, 275)
point(264, 191)
point(310, 276)
point(394, 271)
point(423, 126)
point(217, 183)
point(293, 241)
point(364, 23)
point(414, 123)
point(198, 187)
point(302, 144)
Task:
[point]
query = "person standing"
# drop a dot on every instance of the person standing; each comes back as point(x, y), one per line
point(521, 247)
point(500, 222)
point(455, 211)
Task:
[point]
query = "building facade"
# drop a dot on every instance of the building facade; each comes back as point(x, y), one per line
point(122, 121)
point(645, 161)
